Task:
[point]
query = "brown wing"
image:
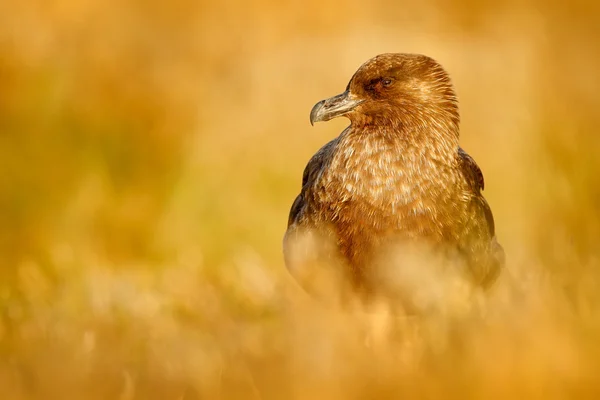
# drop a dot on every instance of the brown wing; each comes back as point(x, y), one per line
point(310, 251)
point(471, 169)
point(475, 178)
point(311, 172)
point(480, 245)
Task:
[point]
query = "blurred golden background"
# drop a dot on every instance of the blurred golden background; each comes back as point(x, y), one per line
point(150, 152)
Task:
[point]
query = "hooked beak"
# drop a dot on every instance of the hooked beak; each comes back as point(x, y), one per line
point(333, 107)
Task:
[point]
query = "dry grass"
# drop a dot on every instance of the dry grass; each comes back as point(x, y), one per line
point(149, 155)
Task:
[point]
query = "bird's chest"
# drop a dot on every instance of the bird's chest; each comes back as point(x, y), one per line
point(369, 196)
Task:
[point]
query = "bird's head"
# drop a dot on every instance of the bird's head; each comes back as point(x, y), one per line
point(405, 89)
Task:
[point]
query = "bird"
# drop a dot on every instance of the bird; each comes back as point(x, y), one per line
point(396, 176)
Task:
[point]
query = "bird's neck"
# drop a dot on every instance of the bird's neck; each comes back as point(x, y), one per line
point(402, 144)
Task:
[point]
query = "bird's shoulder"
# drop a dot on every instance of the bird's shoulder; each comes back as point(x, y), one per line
point(487, 257)
point(474, 178)
point(470, 171)
point(317, 162)
point(311, 173)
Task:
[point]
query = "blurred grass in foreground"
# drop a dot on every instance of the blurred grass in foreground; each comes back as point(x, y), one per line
point(149, 155)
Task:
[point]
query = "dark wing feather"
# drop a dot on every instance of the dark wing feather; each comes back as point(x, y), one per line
point(295, 210)
point(474, 176)
point(308, 249)
point(471, 169)
point(484, 251)
point(311, 172)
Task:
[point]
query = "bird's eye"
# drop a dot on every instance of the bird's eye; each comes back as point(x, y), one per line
point(386, 82)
